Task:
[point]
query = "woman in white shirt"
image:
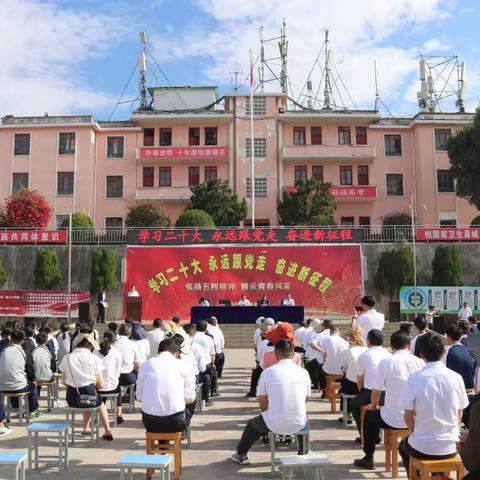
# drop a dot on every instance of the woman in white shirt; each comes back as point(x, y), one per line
point(112, 362)
point(82, 375)
point(63, 339)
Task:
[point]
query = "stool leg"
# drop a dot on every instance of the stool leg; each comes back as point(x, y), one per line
point(271, 437)
point(115, 407)
point(27, 410)
point(66, 448)
point(345, 411)
point(29, 453)
point(60, 451)
point(22, 470)
point(394, 457)
point(36, 450)
point(20, 410)
point(16, 472)
point(122, 473)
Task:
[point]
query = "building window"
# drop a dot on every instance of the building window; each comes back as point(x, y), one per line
point(115, 147)
point(299, 136)
point(194, 136)
point(19, 181)
point(21, 144)
point(193, 176)
point(165, 177)
point(361, 135)
point(165, 137)
point(114, 186)
point(65, 181)
point(259, 105)
point(364, 221)
point(346, 176)
point(347, 221)
point(211, 134)
point(317, 172)
point(393, 145)
point(362, 172)
point(300, 173)
point(316, 135)
point(260, 147)
point(148, 177)
point(260, 188)
point(394, 184)
point(66, 143)
point(113, 222)
point(442, 136)
point(59, 219)
point(448, 224)
point(445, 181)
point(344, 136)
point(210, 173)
point(148, 137)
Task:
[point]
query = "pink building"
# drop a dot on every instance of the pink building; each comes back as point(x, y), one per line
point(375, 164)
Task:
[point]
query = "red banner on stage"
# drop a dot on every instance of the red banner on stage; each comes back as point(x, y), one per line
point(170, 280)
point(40, 303)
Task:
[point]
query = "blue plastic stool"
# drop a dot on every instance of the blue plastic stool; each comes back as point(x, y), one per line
point(157, 462)
point(59, 430)
point(17, 460)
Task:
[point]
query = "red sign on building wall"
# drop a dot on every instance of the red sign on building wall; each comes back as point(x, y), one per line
point(354, 192)
point(448, 234)
point(186, 152)
point(33, 236)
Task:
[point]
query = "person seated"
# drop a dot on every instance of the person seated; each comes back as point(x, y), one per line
point(161, 386)
point(469, 444)
point(44, 363)
point(349, 359)
point(367, 373)
point(82, 375)
point(175, 324)
point(458, 357)
point(472, 324)
point(111, 359)
point(282, 331)
point(370, 319)
point(30, 344)
point(421, 325)
point(113, 327)
point(433, 402)
point(243, 301)
point(263, 302)
point(5, 340)
point(17, 373)
point(313, 351)
point(393, 373)
point(333, 348)
point(64, 340)
point(203, 302)
point(283, 391)
point(155, 336)
point(52, 343)
point(206, 348)
point(130, 356)
point(288, 301)
point(139, 337)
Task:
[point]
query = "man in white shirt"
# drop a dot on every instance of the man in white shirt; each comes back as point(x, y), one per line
point(314, 352)
point(155, 336)
point(130, 356)
point(258, 332)
point(288, 301)
point(367, 373)
point(204, 302)
point(161, 386)
point(219, 340)
point(433, 401)
point(300, 337)
point(370, 319)
point(206, 346)
point(393, 373)
point(333, 347)
point(465, 312)
point(244, 301)
point(133, 292)
point(283, 391)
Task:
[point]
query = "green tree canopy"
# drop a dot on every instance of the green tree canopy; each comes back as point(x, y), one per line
point(79, 220)
point(47, 272)
point(311, 201)
point(103, 271)
point(146, 214)
point(447, 266)
point(397, 218)
point(464, 154)
point(195, 218)
point(395, 269)
point(217, 198)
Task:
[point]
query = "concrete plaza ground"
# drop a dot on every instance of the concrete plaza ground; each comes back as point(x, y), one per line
point(215, 433)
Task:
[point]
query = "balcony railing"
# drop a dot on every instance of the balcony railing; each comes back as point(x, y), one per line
point(364, 153)
point(163, 193)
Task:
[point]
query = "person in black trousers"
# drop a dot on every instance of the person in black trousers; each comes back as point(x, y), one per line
point(102, 306)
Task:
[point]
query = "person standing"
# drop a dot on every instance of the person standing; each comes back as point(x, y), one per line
point(133, 292)
point(219, 340)
point(421, 325)
point(102, 306)
point(430, 314)
point(458, 357)
point(370, 319)
point(472, 324)
point(465, 312)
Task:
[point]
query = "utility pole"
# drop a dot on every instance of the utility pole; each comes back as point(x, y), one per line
point(69, 305)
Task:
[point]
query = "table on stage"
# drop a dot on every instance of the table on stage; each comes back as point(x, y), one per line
point(239, 315)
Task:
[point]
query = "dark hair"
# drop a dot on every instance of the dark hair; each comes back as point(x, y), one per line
point(157, 323)
point(201, 326)
point(301, 323)
point(113, 327)
point(169, 345)
point(128, 320)
point(125, 330)
point(17, 336)
point(368, 300)
point(420, 323)
point(29, 332)
point(85, 343)
point(454, 332)
point(178, 339)
point(284, 348)
point(463, 326)
point(308, 322)
point(431, 346)
point(431, 307)
point(189, 327)
point(327, 324)
point(105, 347)
point(6, 332)
point(399, 340)
point(211, 321)
point(375, 337)
point(41, 338)
point(334, 329)
point(472, 320)
point(110, 336)
point(406, 327)
point(46, 329)
point(176, 320)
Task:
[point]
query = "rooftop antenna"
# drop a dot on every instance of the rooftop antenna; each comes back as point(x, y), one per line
point(236, 82)
point(142, 66)
point(378, 99)
point(327, 89)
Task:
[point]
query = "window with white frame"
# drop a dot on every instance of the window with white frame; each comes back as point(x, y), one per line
point(19, 181)
point(260, 187)
point(393, 145)
point(115, 147)
point(66, 143)
point(442, 136)
point(21, 144)
point(394, 183)
point(114, 186)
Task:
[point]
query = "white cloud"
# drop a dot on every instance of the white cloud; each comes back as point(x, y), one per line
point(360, 32)
point(435, 45)
point(42, 46)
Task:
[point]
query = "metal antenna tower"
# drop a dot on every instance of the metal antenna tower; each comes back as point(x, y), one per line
point(378, 99)
point(236, 83)
point(142, 65)
point(441, 78)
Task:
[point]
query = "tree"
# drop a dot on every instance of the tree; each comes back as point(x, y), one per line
point(322, 220)
point(464, 153)
point(47, 272)
point(146, 214)
point(79, 220)
point(395, 269)
point(195, 218)
point(26, 209)
point(103, 270)
point(310, 199)
point(217, 198)
point(397, 218)
point(447, 266)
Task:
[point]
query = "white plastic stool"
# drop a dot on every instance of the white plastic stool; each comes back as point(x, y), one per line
point(131, 392)
point(317, 462)
point(113, 397)
point(345, 399)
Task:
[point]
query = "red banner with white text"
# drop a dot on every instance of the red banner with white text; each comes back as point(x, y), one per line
point(171, 280)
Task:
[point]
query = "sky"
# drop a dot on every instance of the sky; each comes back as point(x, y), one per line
point(76, 56)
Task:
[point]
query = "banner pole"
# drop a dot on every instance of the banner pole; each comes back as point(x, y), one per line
point(252, 142)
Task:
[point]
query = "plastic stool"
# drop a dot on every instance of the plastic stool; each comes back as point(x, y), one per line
point(150, 462)
point(22, 406)
point(113, 397)
point(17, 460)
point(59, 430)
point(94, 421)
point(317, 462)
